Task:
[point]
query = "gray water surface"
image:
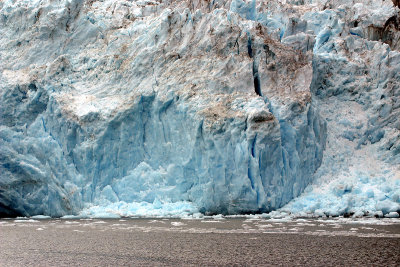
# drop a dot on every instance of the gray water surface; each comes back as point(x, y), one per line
point(200, 242)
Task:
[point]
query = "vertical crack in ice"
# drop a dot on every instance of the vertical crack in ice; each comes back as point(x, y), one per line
point(237, 43)
point(163, 110)
point(250, 173)
point(253, 144)
point(249, 48)
point(44, 125)
point(145, 102)
point(256, 76)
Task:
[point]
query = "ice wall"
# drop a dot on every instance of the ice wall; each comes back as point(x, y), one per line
point(176, 107)
point(131, 102)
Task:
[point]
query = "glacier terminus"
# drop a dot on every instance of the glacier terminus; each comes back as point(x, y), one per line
point(175, 108)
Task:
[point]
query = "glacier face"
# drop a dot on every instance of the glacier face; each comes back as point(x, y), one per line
point(177, 107)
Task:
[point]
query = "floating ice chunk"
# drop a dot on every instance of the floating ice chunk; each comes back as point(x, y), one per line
point(69, 217)
point(392, 215)
point(218, 217)
point(40, 217)
point(177, 224)
point(71, 222)
point(26, 221)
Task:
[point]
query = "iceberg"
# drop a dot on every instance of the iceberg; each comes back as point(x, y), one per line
point(171, 108)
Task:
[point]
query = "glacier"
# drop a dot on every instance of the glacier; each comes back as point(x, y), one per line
point(174, 108)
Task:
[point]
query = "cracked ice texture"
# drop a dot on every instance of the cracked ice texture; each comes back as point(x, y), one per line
point(182, 105)
point(106, 102)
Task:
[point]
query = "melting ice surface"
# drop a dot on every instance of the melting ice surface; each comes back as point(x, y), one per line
point(176, 108)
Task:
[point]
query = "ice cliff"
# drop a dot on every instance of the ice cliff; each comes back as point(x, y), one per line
point(177, 107)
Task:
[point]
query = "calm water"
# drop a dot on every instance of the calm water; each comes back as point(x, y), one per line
point(210, 242)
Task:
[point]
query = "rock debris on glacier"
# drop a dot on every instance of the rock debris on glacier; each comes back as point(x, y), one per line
point(167, 108)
